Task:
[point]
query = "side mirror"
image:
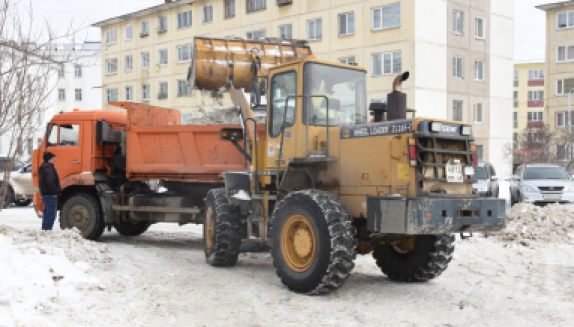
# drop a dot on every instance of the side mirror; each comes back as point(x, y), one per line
point(256, 92)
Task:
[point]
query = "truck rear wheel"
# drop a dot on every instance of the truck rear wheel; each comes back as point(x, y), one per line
point(83, 212)
point(221, 230)
point(418, 259)
point(312, 242)
point(128, 229)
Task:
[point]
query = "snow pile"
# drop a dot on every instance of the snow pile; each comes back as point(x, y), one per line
point(44, 272)
point(526, 223)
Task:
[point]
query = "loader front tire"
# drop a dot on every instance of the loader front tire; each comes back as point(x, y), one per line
point(312, 242)
point(221, 230)
point(417, 259)
point(83, 212)
point(128, 229)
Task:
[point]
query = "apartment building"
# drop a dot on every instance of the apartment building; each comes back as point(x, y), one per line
point(460, 67)
point(529, 100)
point(560, 69)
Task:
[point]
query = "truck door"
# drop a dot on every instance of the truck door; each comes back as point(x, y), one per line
point(64, 142)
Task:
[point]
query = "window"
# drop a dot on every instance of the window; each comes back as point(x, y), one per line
point(480, 152)
point(565, 53)
point(535, 74)
point(69, 135)
point(479, 28)
point(145, 60)
point(129, 93)
point(565, 19)
point(515, 95)
point(184, 19)
point(347, 60)
point(458, 20)
point(163, 57)
point(516, 75)
point(560, 119)
point(515, 119)
point(207, 13)
point(457, 110)
point(458, 67)
point(78, 93)
point(515, 140)
point(347, 24)
point(286, 31)
point(129, 63)
point(161, 24)
point(535, 116)
point(111, 95)
point(129, 31)
point(282, 86)
point(145, 92)
point(112, 36)
point(255, 5)
point(478, 113)
point(184, 53)
point(386, 17)
point(61, 95)
point(315, 29)
point(563, 86)
point(111, 66)
point(78, 71)
point(256, 35)
point(144, 28)
point(229, 8)
point(387, 63)
point(564, 152)
point(162, 90)
point(535, 95)
point(479, 70)
point(61, 71)
point(182, 88)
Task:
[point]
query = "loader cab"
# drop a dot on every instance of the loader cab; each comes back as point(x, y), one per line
point(307, 100)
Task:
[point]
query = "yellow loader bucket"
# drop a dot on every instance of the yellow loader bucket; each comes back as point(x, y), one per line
point(219, 63)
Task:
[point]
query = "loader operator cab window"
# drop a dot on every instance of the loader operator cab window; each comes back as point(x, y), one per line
point(282, 86)
point(345, 90)
point(69, 135)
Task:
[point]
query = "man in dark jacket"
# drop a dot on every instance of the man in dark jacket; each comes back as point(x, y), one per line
point(50, 189)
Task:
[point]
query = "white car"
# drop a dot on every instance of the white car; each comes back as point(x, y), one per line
point(20, 187)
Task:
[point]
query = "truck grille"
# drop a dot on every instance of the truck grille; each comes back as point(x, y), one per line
point(435, 152)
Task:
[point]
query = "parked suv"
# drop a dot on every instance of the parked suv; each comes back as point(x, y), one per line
point(487, 182)
point(541, 184)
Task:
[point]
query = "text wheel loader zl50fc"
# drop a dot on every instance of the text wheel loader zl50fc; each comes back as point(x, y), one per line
point(325, 181)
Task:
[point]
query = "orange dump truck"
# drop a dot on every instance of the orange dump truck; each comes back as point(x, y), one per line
point(105, 160)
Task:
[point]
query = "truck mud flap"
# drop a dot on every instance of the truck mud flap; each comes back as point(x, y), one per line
point(418, 216)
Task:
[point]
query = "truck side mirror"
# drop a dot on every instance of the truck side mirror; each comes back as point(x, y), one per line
point(255, 93)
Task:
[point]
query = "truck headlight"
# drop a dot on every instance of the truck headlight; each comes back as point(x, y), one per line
point(529, 189)
point(436, 127)
point(466, 130)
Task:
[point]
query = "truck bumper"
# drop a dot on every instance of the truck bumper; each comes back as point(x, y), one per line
point(419, 216)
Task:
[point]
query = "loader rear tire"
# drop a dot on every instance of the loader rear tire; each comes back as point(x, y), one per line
point(312, 242)
point(221, 230)
point(418, 259)
point(128, 229)
point(83, 212)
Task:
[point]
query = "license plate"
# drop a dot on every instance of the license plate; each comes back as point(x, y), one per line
point(454, 173)
point(553, 197)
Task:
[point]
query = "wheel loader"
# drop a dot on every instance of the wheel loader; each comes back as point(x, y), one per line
point(313, 173)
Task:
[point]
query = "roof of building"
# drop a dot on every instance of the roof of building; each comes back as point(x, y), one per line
point(144, 12)
point(554, 5)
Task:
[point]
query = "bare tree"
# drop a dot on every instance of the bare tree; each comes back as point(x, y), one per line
point(537, 144)
point(29, 63)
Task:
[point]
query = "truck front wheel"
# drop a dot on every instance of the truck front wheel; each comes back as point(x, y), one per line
point(128, 229)
point(221, 230)
point(312, 242)
point(417, 259)
point(83, 212)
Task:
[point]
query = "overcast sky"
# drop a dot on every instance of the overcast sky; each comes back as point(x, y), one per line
point(529, 22)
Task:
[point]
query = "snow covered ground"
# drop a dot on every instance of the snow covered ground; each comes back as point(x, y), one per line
point(161, 279)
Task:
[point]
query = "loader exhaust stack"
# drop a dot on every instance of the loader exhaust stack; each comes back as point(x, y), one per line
point(397, 100)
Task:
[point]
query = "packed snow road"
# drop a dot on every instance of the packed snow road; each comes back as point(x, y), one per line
point(161, 279)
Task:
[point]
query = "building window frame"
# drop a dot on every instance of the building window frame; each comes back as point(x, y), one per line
point(184, 19)
point(569, 20)
point(479, 113)
point(129, 63)
point(379, 12)
point(535, 116)
point(479, 70)
point(111, 95)
point(129, 93)
point(387, 60)
point(183, 88)
point(568, 53)
point(348, 20)
point(78, 71)
point(163, 90)
point(535, 74)
point(480, 28)
point(286, 31)
point(458, 110)
point(128, 33)
point(348, 60)
point(515, 118)
point(163, 57)
point(516, 75)
point(255, 5)
point(458, 21)
point(458, 67)
point(112, 66)
point(537, 95)
point(145, 57)
point(146, 91)
point(184, 53)
point(229, 8)
point(315, 25)
point(61, 95)
point(78, 94)
point(207, 14)
point(144, 28)
point(162, 24)
point(111, 36)
point(256, 34)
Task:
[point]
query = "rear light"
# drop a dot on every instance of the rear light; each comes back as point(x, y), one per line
point(412, 155)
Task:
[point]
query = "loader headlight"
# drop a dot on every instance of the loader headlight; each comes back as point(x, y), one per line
point(466, 130)
point(436, 127)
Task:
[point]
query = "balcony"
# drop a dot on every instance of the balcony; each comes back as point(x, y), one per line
point(515, 83)
point(535, 103)
point(535, 124)
point(515, 104)
point(536, 82)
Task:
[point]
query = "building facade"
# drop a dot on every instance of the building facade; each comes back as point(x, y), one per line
point(459, 52)
point(529, 98)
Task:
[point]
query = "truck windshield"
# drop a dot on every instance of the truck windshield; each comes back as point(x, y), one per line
point(345, 92)
point(544, 173)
